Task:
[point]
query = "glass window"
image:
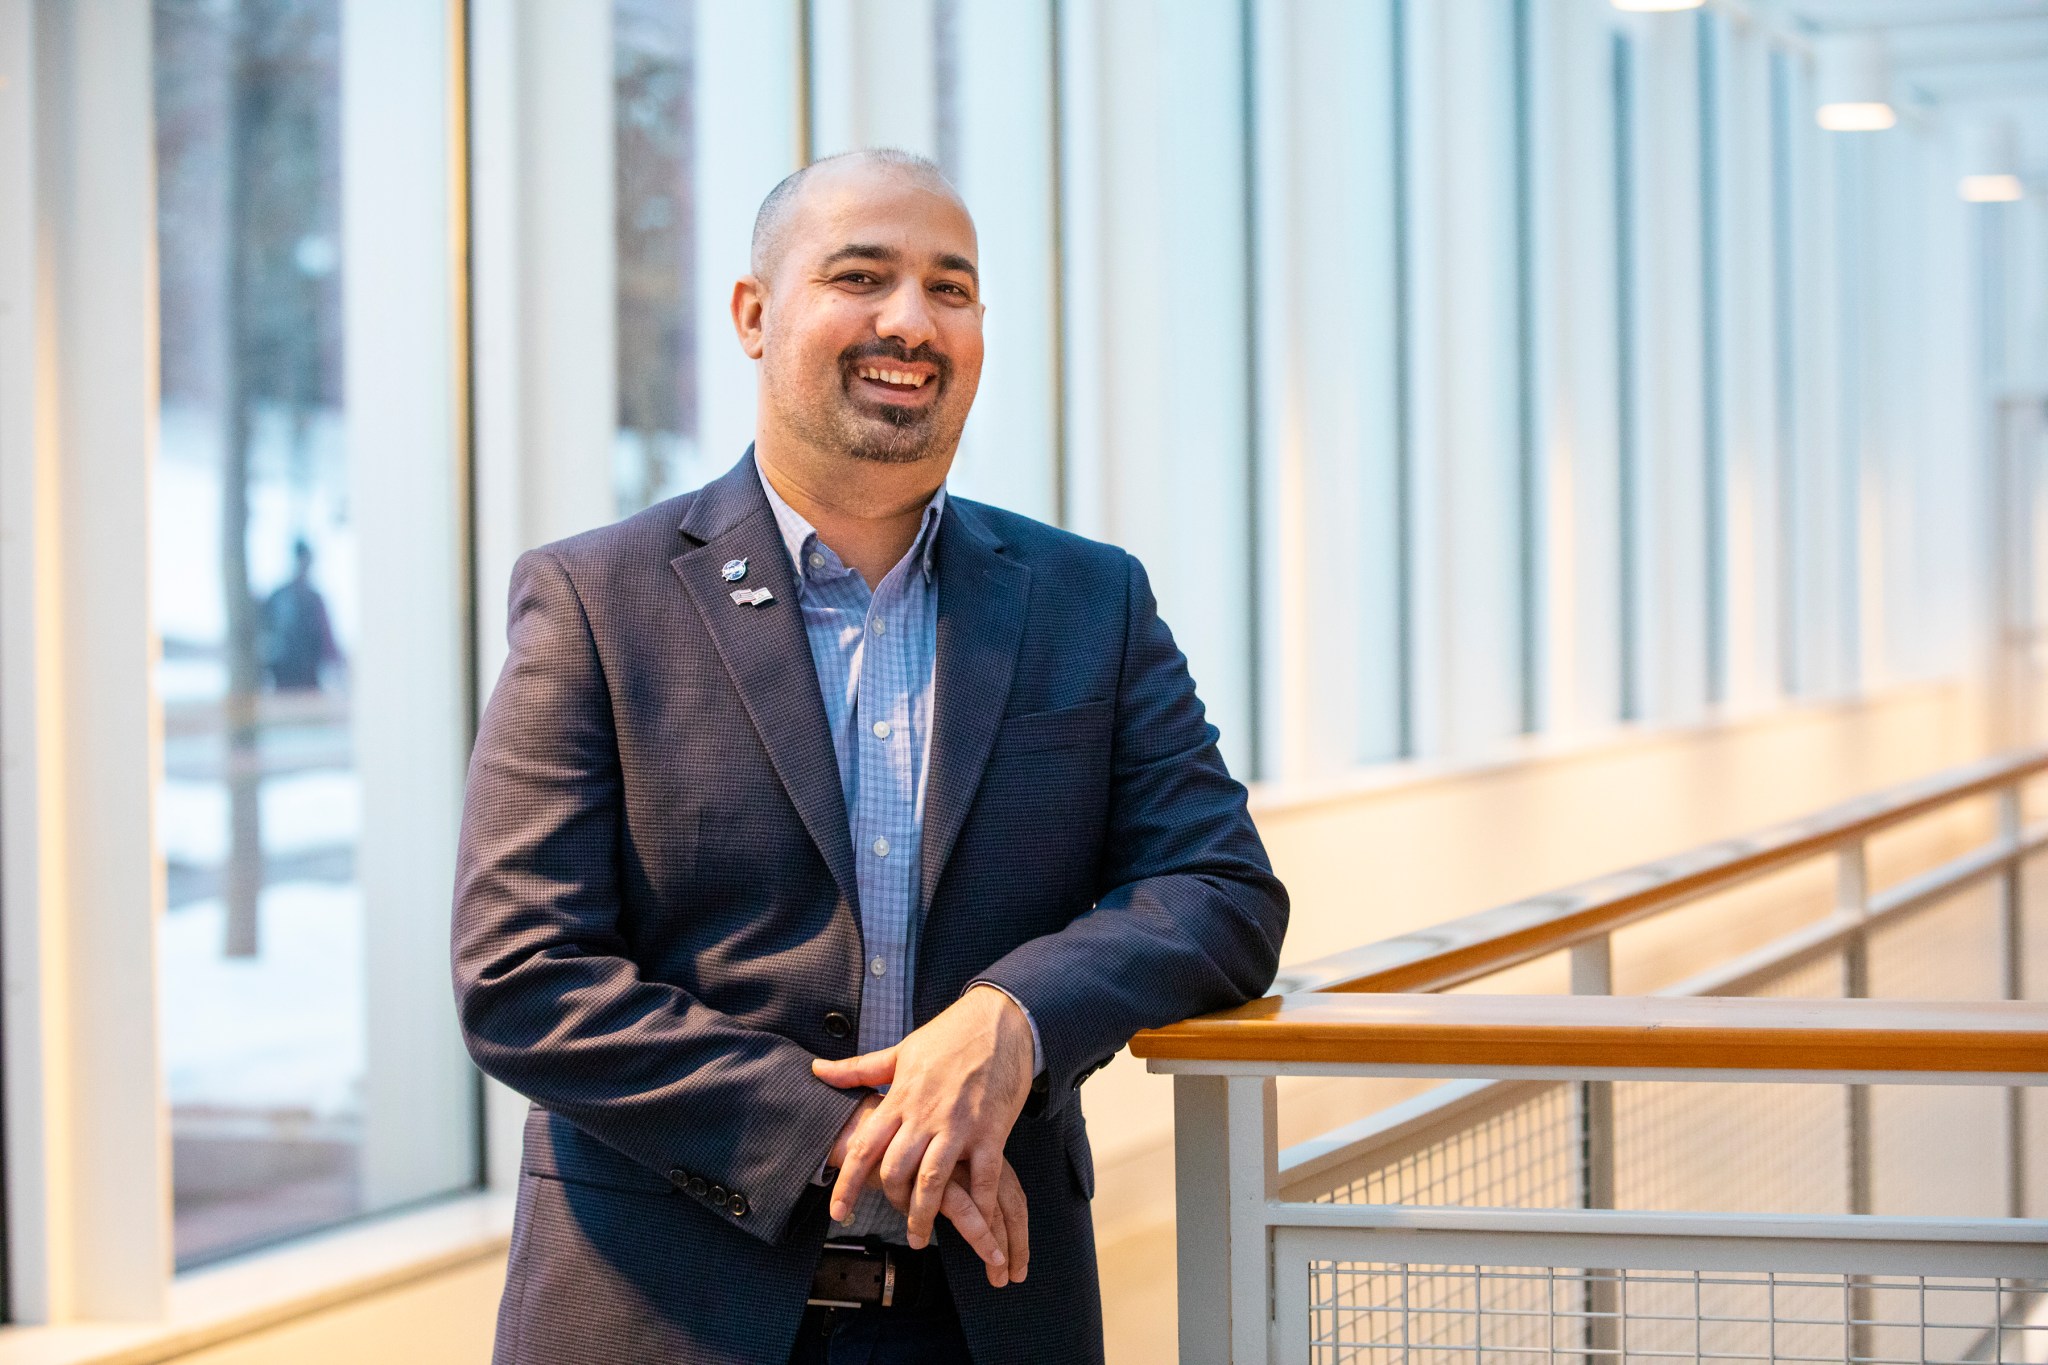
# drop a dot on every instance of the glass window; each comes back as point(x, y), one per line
point(305, 732)
point(260, 803)
point(654, 137)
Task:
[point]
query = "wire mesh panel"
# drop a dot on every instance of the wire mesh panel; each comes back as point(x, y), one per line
point(1939, 1150)
point(1526, 1154)
point(1384, 1312)
point(1711, 1147)
point(1733, 1147)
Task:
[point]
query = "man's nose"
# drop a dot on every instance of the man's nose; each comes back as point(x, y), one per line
point(906, 315)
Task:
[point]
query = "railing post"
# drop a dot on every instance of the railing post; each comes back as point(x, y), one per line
point(1852, 897)
point(1592, 967)
point(2012, 980)
point(1226, 1155)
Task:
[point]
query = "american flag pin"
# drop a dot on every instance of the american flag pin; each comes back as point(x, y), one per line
point(752, 597)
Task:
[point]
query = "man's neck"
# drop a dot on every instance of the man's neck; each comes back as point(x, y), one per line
point(866, 511)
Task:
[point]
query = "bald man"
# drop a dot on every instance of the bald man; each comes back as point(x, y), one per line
point(824, 832)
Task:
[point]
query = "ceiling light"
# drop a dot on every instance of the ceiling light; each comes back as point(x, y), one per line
point(1990, 163)
point(1992, 189)
point(1655, 6)
point(1853, 83)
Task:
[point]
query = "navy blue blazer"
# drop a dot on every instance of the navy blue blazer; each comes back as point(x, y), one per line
point(655, 925)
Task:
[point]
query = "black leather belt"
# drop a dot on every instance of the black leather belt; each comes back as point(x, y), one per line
point(869, 1275)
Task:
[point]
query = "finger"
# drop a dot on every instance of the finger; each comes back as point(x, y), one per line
point(984, 1175)
point(1017, 1221)
point(869, 1069)
point(868, 1147)
point(898, 1172)
point(934, 1174)
point(974, 1229)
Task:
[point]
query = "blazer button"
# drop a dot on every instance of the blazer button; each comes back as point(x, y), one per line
point(679, 1178)
point(698, 1186)
point(837, 1025)
point(718, 1194)
point(737, 1206)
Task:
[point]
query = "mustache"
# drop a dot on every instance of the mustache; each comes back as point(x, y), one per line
point(882, 348)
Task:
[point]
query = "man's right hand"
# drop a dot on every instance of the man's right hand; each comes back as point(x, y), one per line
point(1005, 1248)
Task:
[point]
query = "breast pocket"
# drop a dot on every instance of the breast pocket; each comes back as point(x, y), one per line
point(1066, 727)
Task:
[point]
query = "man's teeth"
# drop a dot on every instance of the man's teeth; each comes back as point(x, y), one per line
point(915, 381)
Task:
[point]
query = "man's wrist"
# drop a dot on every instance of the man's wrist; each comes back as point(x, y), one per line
point(1024, 1015)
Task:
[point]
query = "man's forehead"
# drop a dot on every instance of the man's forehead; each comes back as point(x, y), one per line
point(905, 215)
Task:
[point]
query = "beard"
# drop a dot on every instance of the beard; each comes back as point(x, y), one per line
point(881, 433)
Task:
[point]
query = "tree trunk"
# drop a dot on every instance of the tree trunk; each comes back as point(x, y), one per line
point(242, 880)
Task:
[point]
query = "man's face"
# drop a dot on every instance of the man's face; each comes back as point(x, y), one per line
point(871, 326)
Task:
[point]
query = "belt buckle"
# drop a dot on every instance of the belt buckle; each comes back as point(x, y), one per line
point(886, 1288)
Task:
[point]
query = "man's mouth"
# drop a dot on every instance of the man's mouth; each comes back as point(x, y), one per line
point(901, 381)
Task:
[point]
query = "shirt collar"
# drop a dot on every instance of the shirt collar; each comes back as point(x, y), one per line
point(797, 533)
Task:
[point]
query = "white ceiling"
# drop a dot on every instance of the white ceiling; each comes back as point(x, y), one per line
point(1975, 58)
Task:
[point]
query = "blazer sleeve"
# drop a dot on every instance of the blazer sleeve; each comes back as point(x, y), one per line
point(550, 1003)
point(1189, 915)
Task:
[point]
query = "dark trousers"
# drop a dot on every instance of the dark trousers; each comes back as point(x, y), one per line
point(925, 1331)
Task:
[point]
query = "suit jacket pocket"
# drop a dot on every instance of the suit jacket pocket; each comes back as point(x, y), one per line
point(1080, 1159)
point(1066, 727)
point(557, 1149)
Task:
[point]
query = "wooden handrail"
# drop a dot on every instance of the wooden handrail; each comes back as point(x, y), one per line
point(1481, 944)
point(1592, 1032)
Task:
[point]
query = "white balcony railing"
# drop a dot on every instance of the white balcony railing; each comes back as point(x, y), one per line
point(1759, 1164)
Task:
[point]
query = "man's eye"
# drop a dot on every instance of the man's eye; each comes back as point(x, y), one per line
point(856, 277)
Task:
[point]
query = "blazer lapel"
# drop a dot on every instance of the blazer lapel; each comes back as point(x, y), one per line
point(766, 652)
point(982, 597)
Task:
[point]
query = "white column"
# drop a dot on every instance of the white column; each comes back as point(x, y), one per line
point(873, 76)
point(87, 1149)
point(745, 60)
point(1463, 376)
point(1005, 134)
point(1573, 254)
point(408, 678)
point(1670, 487)
point(545, 298)
point(1327, 317)
point(1755, 568)
point(1157, 355)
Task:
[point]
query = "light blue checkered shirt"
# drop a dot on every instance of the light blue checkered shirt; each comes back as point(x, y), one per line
point(874, 652)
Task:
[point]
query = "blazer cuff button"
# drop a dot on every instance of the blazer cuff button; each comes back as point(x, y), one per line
point(737, 1206)
point(698, 1186)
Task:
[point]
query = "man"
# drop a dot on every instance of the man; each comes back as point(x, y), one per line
point(820, 783)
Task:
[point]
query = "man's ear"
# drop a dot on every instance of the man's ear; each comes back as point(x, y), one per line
point(749, 299)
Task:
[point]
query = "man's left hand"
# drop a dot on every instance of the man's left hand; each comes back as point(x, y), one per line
point(956, 1087)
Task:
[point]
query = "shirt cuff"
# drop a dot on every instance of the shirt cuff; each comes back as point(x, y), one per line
point(1037, 1052)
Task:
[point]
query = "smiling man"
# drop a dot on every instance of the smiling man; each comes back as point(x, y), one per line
point(824, 833)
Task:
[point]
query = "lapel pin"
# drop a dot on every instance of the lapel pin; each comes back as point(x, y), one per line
point(752, 597)
point(734, 570)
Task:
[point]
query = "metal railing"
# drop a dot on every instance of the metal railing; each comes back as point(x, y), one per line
point(1809, 1170)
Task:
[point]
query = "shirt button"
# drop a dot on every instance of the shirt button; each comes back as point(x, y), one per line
point(881, 847)
point(880, 626)
point(879, 967)
point(817, 560)
point(881, 729)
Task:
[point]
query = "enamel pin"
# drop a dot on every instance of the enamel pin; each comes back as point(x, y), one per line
point(734, 570)
point(752, 597)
